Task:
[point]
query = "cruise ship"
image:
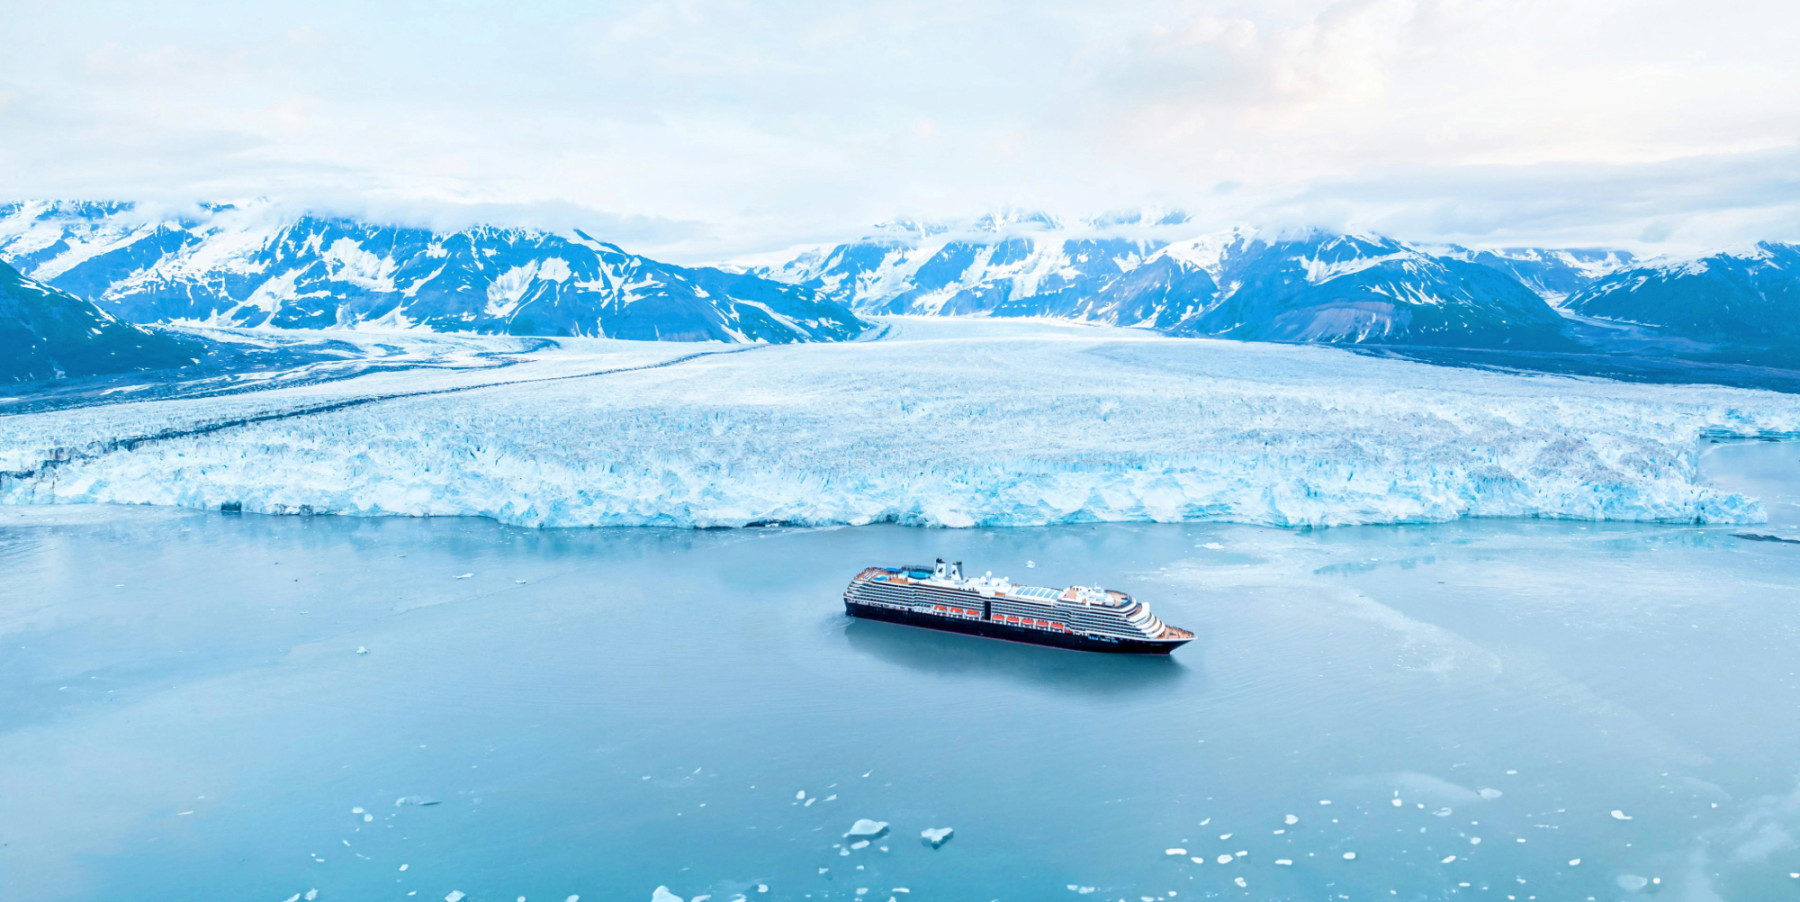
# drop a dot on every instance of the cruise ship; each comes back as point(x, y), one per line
point(940, 597)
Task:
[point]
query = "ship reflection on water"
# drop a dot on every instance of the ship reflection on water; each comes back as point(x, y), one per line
point(1054, 669)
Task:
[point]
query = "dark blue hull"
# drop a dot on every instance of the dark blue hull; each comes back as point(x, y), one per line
point(991, 630)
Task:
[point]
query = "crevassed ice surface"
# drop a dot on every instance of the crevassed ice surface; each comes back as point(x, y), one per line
point(985, 423)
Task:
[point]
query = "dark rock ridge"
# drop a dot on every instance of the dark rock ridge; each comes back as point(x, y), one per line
point(51, 334)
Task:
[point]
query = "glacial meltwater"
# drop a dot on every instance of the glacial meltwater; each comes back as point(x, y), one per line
point(236, 707)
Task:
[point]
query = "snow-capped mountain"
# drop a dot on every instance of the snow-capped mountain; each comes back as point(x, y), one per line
point(250, 267)
point(50, 334)
point(1552, 274)
point(1321, 287)
point(1300, 286)
point(1750, 298)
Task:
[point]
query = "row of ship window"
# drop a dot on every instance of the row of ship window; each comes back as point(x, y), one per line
point(1003, 618)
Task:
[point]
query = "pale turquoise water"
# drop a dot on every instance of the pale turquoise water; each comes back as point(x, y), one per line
point(183, 714)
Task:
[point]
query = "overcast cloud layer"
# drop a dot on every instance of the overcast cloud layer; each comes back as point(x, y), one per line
point(702, 130)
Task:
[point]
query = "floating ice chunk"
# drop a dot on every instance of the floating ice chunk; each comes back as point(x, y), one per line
point(1448, 859)
point(1212, 546)
point(457, 895)
point(1349, 856)
point(362, 649)
point(368, 817)
point(800, 795)
point(405, 866)
point(662, 894)
point(293, 898)
point(1490, 794)
point(1619, 815)
point(1324, 801)
point(1574, 862)
point(831, 798)
point(867, 829)
point(1239, 881)
point(760, 887)
point(1443, 812)
point(809, 802)
point(1239, 854)
point(1197, 859)
point(1398, 803)
point(1225, 859)
point(936, 836)
point(462, 576)
point(1631, 883)
point(1285, 862)
point(357, 810)
point(578, 898)
point(1224, 836)
point(860, 844)
point(1290, 820)
point(1474, 840)
point(421, 801)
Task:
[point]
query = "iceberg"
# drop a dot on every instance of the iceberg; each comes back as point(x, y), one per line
point(947, 423)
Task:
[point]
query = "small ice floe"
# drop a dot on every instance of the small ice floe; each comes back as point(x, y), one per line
point(831, 798)
point(405, 866)
point(860, 845)
point(935, 837)
point(293, 898)
point(1443, 812)
point(1224, 859)
point(1224, 836)
point(362, 649)
point(578, 898)
point(1619, 815)
point(800, 795)
point(1285, 862)
point(1474, 840)
point(183, 813)
point(1631, 883)
point(762, 887)
point(518, 582)
point(1290, 820)
point(312, 895)
point(662, 894)
point(1490, 793)
point(421, 801)
point(809, 802)
point(867, 829)
point(1176, 852)
point(1241, 882)
point(1448, 859)
point(455, 895)
point(1081, 890)
point(1197, 859)
point(1574, 862)
point(1398, 803)
point(357, 810)
point(368, 817)
point(1324, 801)
point(1034, 564)
point(1349, 856)
point(462, 576)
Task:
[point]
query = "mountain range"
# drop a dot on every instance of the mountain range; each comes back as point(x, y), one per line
point(253, 267)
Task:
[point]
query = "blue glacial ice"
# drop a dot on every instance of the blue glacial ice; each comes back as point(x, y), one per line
point(947, 423)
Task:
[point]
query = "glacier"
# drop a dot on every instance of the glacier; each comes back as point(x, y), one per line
point(944, 422)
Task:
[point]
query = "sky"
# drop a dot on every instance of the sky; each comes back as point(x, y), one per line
point(719, 130)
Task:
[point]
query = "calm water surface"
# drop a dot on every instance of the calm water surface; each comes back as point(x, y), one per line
point(1492, 710)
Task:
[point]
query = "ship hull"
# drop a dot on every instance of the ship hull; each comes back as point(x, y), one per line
point(991, 630)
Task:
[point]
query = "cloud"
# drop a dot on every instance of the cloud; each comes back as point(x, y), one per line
point(709, 128)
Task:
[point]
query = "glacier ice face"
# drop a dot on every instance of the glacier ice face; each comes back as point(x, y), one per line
point(963, 423)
